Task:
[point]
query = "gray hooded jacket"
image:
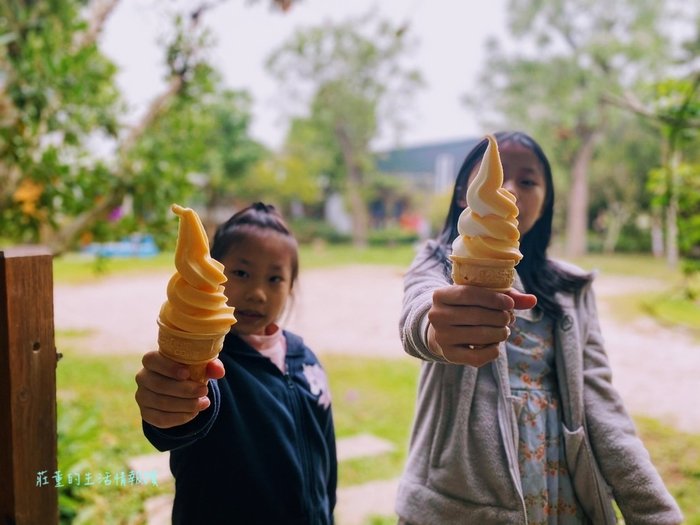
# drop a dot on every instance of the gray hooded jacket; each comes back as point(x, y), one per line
point(463, 462)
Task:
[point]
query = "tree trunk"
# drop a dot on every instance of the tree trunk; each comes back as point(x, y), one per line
point(358, 208)
point(672, 210)
point(62, 240)
point(618, 215)
point(100, 12)
point(577, 210)
point(657, 234)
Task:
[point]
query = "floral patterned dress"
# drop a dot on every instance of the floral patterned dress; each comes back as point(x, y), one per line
point(549, 496)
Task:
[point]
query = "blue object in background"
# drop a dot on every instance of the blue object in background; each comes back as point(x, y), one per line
point(135, 245)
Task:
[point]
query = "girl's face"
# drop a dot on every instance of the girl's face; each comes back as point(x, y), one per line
point(259, 271)
point(523, 176)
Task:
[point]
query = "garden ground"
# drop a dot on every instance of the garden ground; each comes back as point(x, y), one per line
point(353, 310)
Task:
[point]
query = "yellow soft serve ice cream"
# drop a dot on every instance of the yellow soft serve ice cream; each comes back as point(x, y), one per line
point(487, 247)
point(196, 301)
point(195, 318)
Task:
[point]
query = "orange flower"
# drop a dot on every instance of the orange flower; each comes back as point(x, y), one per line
point(27, 194)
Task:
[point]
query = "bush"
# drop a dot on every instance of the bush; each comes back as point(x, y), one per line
point(631, 240)
point(391, 236)
point(308, 230)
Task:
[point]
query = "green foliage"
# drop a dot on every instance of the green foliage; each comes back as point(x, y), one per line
point(620, 204)
point(689, 211)
point(391, 236)
point(571, 56)
point(322, 255)
point(55, 93)
point(197, 152)
point(346, 77)
point(99, 430)
point(687, 187)
point(677, 106)
point(58, 94)
point(308, 231)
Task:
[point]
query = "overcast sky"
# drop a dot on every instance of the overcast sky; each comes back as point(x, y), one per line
point(451, 35)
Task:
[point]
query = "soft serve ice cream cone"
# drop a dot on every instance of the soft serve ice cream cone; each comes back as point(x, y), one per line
point(195, 318)
point(486, 251)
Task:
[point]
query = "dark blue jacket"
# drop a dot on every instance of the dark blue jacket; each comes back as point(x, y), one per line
point(264, 451)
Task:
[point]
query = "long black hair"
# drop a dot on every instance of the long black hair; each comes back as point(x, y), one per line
point(539, 275)
point(256, 219)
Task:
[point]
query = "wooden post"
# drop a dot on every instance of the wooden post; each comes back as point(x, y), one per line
point(27, 388)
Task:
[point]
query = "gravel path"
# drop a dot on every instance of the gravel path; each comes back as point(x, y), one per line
point(355, 310)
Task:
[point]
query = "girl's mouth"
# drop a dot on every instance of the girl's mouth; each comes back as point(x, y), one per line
point(248, 314)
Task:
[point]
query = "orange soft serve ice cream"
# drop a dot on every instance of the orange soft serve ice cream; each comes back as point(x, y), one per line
point(487, 248)
point(195, 318)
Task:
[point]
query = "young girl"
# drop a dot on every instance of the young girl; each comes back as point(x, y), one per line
point(257, 445)
point(517, 421)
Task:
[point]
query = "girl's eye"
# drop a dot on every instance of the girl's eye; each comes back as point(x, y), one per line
point(276, 279)
point(528, 182)
point(241, 274)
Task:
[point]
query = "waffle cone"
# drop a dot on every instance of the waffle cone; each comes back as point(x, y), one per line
point(495, 274)
point(194, 350)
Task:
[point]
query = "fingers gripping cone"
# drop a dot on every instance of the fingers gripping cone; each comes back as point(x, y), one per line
point(487, 249)
point(195, 319)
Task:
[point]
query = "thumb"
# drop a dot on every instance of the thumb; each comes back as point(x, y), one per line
point(215, 369)
point(523, 301)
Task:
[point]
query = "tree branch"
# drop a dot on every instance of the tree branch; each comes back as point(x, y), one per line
point(157, 107)
point(630, 103)
point(100, 11)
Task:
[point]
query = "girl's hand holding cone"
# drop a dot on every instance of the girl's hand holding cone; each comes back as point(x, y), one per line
point(467, 323)
point(166, 394)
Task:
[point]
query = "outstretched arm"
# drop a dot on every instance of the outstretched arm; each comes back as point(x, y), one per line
point(174, 409)
point(457, 324)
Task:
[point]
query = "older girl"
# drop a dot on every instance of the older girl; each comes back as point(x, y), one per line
point(517, 420)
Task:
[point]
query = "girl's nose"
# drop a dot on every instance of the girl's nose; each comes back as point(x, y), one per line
point(511, 187)
point(256, 294)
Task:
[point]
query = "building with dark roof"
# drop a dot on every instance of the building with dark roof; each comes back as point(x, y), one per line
point(431, 167)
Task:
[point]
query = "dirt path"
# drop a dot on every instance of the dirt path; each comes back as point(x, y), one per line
point(355, 310)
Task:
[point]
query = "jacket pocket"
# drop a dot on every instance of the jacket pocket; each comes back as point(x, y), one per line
point(591, 490)
point(444, 422)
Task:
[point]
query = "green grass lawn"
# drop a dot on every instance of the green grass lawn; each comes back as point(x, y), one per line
point(677, 457)
point(337, 255)
point(76, 268)
point(674, 306)
point(79, 269)
point(99, 426)
point(640, 265)
point(100, 429)
point(375, 396)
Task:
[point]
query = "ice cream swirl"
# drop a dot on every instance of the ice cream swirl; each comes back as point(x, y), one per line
point(196, 301)
point(488, 226)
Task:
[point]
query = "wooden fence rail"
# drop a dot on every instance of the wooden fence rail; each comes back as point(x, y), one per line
point(28, 495)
